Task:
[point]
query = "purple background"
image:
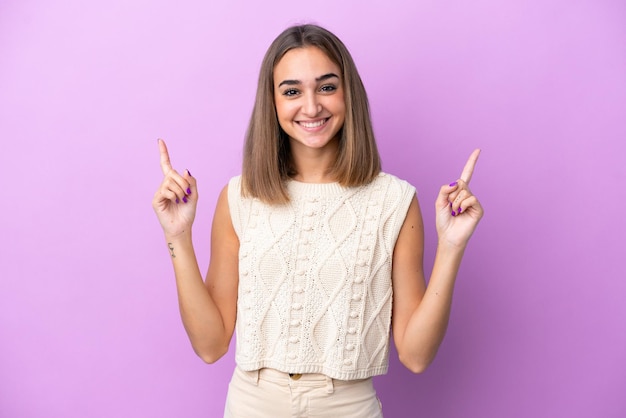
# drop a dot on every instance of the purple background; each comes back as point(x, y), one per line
point(89, 324)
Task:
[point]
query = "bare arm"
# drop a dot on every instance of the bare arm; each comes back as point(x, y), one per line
point(207, 309)
point(420, 313)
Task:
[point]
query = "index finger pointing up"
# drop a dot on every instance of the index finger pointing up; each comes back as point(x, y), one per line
point(166, 166)
point(468, 170)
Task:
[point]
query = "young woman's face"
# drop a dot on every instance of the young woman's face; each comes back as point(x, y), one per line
point(309, 97)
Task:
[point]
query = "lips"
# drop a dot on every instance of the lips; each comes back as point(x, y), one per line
point(313, 124)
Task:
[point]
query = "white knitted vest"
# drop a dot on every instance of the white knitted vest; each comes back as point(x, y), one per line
point(315, 277)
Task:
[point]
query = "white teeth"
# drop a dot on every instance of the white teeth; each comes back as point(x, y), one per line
point(310, 125)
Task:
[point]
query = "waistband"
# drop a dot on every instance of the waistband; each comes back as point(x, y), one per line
point(291, 379)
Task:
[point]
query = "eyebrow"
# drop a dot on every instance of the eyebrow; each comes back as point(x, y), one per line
point(317, 80)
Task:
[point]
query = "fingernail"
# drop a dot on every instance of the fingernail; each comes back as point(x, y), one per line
point(453, 213)
point(177, 200)
point(453, 184)
point(189, 172)
point(450, 204)
point(185, 199)
point(460, 209)
point(188, 190)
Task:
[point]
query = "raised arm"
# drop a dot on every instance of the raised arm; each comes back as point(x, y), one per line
point(207, 308)
point(420, 313)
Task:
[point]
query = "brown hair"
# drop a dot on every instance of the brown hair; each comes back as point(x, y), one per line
point(267, 161)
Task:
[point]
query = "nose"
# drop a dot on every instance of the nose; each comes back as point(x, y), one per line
point(311, 106)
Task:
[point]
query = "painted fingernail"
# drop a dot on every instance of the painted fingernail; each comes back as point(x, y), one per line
point(185, 199)
point(453, 184)
point(450, 204)
point(189, 172)
point(460, 209)
point(188, 190)
point(453, 213)
point(177, 201)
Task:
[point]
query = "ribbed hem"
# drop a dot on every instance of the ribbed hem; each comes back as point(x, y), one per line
point(298, 189)
point(315, 368)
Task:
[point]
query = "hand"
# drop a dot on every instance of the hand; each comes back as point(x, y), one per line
point(176, 199)
point(458, 211)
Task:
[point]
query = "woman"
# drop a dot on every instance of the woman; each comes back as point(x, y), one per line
point(314, 249)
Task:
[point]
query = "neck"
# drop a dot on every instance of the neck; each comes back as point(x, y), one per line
point(314, 165)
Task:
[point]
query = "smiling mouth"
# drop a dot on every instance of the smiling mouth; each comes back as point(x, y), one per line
point(312, 125)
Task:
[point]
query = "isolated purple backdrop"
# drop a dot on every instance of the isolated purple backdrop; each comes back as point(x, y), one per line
point(89, 325)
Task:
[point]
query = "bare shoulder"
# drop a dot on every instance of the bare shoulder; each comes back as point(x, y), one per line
point(222, 222)
point(222, 275)
point(407, 272)
point(411, 234)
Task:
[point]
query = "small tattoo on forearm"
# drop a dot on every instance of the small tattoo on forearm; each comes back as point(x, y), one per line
point(171, 247)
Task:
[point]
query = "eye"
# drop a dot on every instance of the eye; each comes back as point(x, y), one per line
point(328, 88)
point(290, 92)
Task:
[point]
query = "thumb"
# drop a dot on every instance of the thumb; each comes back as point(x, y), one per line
point(443, 197)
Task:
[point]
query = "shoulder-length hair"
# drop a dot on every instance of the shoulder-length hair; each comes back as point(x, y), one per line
point(267, 161)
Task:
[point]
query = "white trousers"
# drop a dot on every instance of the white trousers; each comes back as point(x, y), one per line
point(268, 393)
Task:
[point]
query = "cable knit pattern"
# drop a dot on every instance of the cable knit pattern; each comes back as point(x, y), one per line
point(315, 277)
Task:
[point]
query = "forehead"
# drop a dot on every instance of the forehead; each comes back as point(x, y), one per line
point(304, 64)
